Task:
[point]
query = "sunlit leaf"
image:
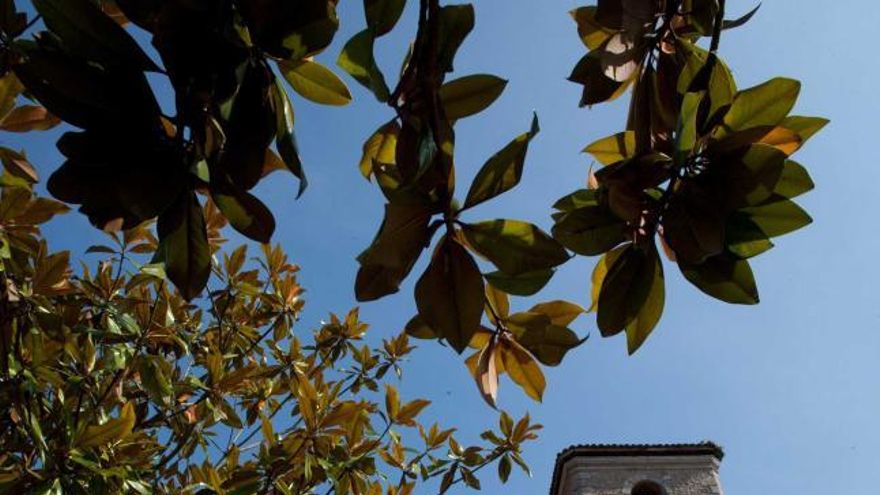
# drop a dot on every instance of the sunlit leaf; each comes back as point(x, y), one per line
point(315, 82)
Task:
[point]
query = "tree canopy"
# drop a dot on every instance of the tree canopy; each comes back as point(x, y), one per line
point(114, 377)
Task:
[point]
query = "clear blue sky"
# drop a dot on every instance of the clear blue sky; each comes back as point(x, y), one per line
point(790, 388)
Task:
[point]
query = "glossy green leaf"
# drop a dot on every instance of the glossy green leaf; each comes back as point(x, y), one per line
point(613, 149)
point(778, 217)
point(590, 230)
point(804, 127)
point(245, 213)
point(749, 176)
point(744, 238)
point(380, 148)
point(470, 95)
point(687, 131)
point(513, 246)
point(764, 105)
point(721, 86)
point(315, 82)
point(561, 313)
point(401, 239)
point(285, 140)
point(794, 181)
point(725, 278)
point(523, 369)
point(356, 58)
point(638, 330)
point(112, 430)
point(582, 198)
point(503, 171)
point(449, 295)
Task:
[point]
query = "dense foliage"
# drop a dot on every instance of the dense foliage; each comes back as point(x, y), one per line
point(122, 378)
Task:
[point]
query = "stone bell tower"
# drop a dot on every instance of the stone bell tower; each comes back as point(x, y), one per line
point(680, 469)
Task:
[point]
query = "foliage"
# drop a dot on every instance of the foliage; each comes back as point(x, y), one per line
point(702, 172)
point(702, 167)
point(111, 382)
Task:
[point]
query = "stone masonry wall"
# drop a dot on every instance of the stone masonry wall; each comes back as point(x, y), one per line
point(679, 475)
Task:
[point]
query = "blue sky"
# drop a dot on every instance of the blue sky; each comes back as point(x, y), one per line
point(790, 388)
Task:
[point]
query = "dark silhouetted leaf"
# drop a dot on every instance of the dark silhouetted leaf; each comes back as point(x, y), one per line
point(625, 289)
point(449, 295)
point(514, 247)
point(524, 284)
point(184, 245)
point(357, 59)
point(725, 278)
point(503, 171)
point(470, 95)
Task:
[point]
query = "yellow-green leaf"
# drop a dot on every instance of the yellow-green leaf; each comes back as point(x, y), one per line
point(613, 149)
point(315, 82)
point(113, 430)
point(523, 369)
point(470, 95)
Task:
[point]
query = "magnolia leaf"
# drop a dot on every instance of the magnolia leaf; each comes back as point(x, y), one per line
point(764, 105)
point(356, 58)
point(514, 247)
point(523, 369)
point(28, 118)
point(449, 295)
point(381, 148)
point(592, 33)
point(725, 278)
point(794, 181)
point(613, 149)
point(498, 304)
point(284, 137)
point(455, 23)
point(547, 342)
point(486, 373)
point(581, 198)
point(590, 230)
point(401, 239)
point(503, 171)
point(382, 15)
point(561, 313)
point(87, 31)
point(744, 238)
point(778, 217)
point(315, 82)
point(600, 271)
point(648, 317)
point(112, 431)
point(184, 242)
point(470, 95)
point(245, 213)
point(597, 88)
point(524, 284)
point(626, 289)
point(735, 23)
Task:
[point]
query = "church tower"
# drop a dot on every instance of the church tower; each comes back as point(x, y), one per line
point(681, 469)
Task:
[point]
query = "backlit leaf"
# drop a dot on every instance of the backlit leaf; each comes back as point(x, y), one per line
point(470, 95)
point(503, 171)
point(514, 247)
point(315, 82)
point(449, 295)
point(725, 278)
point(613, 149)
